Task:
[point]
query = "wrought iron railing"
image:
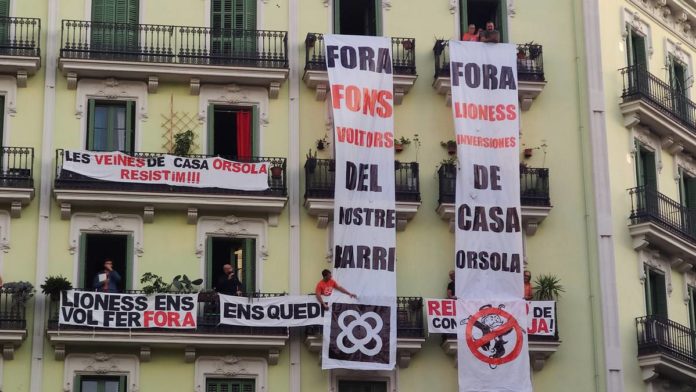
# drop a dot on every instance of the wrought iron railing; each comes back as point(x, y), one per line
point(403, 54)
point(320, 176)
point(409, 319)
point(173, 44)
point(12, 309)
point(639, 84)
point(69, 180)
point(659, 335)
point(530, 61)
point(207, 320)
point(534, 185)
point(16, 167)
point(649, 205)
point(20, 37)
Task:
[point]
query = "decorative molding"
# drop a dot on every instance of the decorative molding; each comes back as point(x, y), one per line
point(638, 25)
point(386, 5)
point(511, 8)
point(673, 15)
point(656, 260)
point(675, 49)
point(326, 2)
point(453, 6)
point(230, 366)
point(390, 376)
point(112, 89)
point(102, 364)
point(232, 227)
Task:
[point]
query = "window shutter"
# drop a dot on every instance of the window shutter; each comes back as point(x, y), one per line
point(83, 283)
point(77, 380)
point(629, 46)
point(249, 14)
point(122, 384)
point(210, 277)
point(250, 265)
point(90, 124)
point(638, 45)
point(690, 191)
point(4, 8)
point(660, 294)
point(692, 308)
point(125, 279)
point(649, 170)
point(211, 129)
point(129, 143)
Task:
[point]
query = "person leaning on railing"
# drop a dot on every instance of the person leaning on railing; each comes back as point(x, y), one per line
point(490, 35)
point(325, 288)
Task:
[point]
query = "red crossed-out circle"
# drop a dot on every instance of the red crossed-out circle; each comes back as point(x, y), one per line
point(475, 345)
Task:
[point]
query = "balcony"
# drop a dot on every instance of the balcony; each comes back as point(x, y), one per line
point(666, 350)
point(16, 180)
point(155, 53)
point(410, 330)
point(534, 196)
point(530, 72)
point(403, 63)
point(662, 223)
point(320, 177)
point(209, 334)
point(20, 40)
point(13, 322)
point(72, 189)
point(655, 105)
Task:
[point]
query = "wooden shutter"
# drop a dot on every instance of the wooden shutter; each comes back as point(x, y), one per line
point(230, 385)
point(82, 283)
point(90, 124)
point(244, 25)
point(4, 8)
point(126, 282)
point(210, 277)
point(122, 383)
point(638, 46)
point(129, 143)
point(250, 265)
point(211, 130)
point(659, 288)
point(337, 16)
point(649, 169)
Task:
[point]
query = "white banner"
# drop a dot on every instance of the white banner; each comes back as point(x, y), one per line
point(169, 170)
point(360, 75)
point(283, 311)
point(108, 310)
point(442, 317)
point(488, 240)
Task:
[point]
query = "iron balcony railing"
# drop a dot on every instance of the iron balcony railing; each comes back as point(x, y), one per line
point(659, 335)
point(649, 205)
point(641, 85)
point(534, 185)
point(320, 176)
point(173, 44)
point(207, 320)
point(20, 37)
point(403, 54)
point(530, 61)
point(409, 319)
point(69, 180)
point(16, 166)
point(12, 309)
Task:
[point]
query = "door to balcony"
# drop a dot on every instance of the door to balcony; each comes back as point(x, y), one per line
point(233, 30)
point(232, 131)
point(114, 26)
point(239, 252)
point(480, 12)
point(357, 17)
point(110, 125)
point(96, 248)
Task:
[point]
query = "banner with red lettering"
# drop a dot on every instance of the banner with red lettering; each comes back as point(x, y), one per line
point(110, 310)
point(166, 169)
point(492, 344)
point(361, 334)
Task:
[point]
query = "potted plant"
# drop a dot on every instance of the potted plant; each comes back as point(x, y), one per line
point(528, 152)
point(534, 50)
point(311, 163)
point(183, 285)
point(276, 171)
point(310, 40)
point(322, 143)
point(449, 166)
point(400, 143)
point(547, 288)
point(407, 44)
point(153, 283)
point(54, 286)
point(21, 293)
point(451, 146)
point(521, 54)
point(183, 142)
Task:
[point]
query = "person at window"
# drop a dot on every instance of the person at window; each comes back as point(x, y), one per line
point(471, 34)
point(228, 283)
point(490, 35)
point(528, 292)
point(107, 280)
point(450, 286)
point(326, 286)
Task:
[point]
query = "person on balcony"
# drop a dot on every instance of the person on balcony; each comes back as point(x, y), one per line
point(326, 286)
point(471, 34)
point(490, 35)
point(528, 291)
point(450, 286)
point(228, 283)
point(107, 280)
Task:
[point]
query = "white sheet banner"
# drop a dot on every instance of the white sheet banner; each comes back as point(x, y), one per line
point(166, 169)
point(360, 75)
point(284, 311)
point(108, 310)
point(442, 317)
point(488, 240)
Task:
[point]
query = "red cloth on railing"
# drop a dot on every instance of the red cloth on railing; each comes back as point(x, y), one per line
point(244, 134)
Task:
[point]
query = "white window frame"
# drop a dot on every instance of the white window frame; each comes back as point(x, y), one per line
point(102, 364)
point(390, 376)
point(230, 367)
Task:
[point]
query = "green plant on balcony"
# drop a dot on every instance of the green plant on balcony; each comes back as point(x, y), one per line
point(153, 283)
point(547, 288)
point(54, 286)
point(181, 284)
point(400, 143)
point(322, 143)
point(21, 293)
point(449, 166)
point(450, 145)
point(311, 164)
point(183, 142)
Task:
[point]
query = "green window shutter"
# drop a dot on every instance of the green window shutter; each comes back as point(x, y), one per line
point(4, 8)
point(692, 308)
point(209, 278)
point(250, 265)
point(337, 16)
point(130, 127)
point(629, 46)
point(501, 20)
point(77, 381)
point(638, 46)
point(230, 385)
point(126, 278)
point(690, 192)
point(81, 267)
point(211, 129)
point(90, 124)
point(660, 294)
point(649, 169)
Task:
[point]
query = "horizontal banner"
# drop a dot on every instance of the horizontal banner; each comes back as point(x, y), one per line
point(284, 311)
point(166, 169)
point(442, 317)
point(107, 310)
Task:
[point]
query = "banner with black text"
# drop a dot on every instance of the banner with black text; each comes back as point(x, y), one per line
point(282, 311)
point(362, 334)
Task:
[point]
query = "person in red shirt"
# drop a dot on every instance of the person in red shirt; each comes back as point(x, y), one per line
point(528, 293)
point(326, 286)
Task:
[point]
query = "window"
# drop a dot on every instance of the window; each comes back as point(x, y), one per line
point(362, 386)
point(232, 131)
point(230, 385)
point(114, 25)
point(357, 17)
point(233, 25)
point(646, 170)
point(678, 82)
point(240, 252)
point(687, 196)
point(655, 292)
point(101, 384)
point(480, 12)
point(111, 125)
point(692, 307)
point(95, 248)
point(636, 49)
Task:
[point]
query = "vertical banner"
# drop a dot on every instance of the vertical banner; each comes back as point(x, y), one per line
point(361, 334)
point(492, 344)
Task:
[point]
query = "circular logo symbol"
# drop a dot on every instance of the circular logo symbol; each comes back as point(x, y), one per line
point(487, 343)
point(359, 322)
